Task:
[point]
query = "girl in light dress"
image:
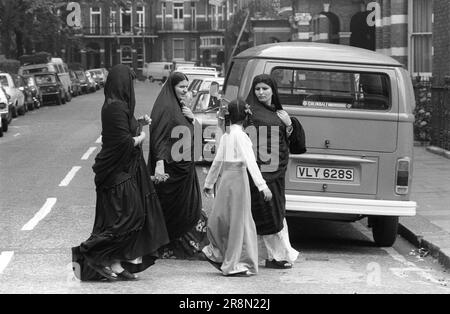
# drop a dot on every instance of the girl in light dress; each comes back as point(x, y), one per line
point(231, 231)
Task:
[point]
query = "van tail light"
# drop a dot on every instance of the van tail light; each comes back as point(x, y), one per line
point(402, 178)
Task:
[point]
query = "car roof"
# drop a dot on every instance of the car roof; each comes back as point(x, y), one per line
point(320, 52)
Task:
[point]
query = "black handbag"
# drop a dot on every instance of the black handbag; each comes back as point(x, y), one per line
point(297, 142)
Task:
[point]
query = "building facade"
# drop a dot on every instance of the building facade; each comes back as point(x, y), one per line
point(401, 29)
point(149, 30)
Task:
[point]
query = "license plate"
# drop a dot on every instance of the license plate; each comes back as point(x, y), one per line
point(210, 148)
point(322, 173)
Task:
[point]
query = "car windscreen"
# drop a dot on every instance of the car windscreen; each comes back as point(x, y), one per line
point(204, 104)
point(45, 79)
point(344, 90)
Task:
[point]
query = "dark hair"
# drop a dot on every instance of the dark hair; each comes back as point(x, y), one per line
point(237, 112)
point(268, 80)
point(178, 77)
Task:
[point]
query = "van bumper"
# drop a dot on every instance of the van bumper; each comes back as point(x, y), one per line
point(336, 205)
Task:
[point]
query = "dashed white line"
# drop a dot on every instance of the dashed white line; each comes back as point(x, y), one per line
point(44, 211)
point(88, 153)
point(99, 140)
point(5, 258)
point(17, 134)
point(70, 176)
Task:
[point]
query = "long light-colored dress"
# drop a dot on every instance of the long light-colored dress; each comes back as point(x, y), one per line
point(231, 230)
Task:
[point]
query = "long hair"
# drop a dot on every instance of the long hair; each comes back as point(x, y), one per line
point(238, 112)
point(268, 80)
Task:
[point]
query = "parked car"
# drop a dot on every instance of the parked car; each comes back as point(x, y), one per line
point(17, 97)
point(157, 71)
point(356, 107)
point(204, 83)
point(84, 82)
point(193, 72)
point(21, 83)
point(205, 111)
point(76, 85)
point(51, 87)
point(5, 110)
point(53, 65)
point(92, 84)
point(100, 75)
point(35, 90)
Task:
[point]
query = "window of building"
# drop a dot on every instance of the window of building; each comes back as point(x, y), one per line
point(178, 49)
point(96, 20)
point(164, 50)
point(113, 22)
point(178, 16)
point(126, 55)
point(193, 16)
point(214, 17)
point(421, 41)
point(140, 17)
point(125, 20)
point(193, 49)
point(163, 13)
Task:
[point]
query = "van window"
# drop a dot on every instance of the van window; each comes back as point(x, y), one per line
point(234, 78)
point(333, 89)
point(4, 81)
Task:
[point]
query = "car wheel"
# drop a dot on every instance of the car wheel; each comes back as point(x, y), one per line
point(4, 125)
point(384, 229)
point(1, 131)
point(68, 97)
point(31, 106)
point(58, 100)
point(22, 110)
point(63, 100)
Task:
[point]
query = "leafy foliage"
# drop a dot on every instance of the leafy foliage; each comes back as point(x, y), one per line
point(423, 112)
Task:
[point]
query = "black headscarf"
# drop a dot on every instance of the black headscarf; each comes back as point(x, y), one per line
point(118, 128)
point(166, 114)
point(266, 79)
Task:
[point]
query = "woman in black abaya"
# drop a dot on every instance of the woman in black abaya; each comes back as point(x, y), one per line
point(129, 225)
point(171, 160)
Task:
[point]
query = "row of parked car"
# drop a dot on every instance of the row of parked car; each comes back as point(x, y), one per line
point(24, 92)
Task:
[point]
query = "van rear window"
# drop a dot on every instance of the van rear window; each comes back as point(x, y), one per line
point(333, 89)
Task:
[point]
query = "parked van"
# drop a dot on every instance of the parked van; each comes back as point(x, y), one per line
point(157, 71)
point(356, 107)
point(55, 65)
point(198, 72)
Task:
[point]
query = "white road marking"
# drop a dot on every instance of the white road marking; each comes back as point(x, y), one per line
point(5, 258)
point(17, 134)
point(99, 140)
point(44, 211)
point(70, 176)
point(88, 153)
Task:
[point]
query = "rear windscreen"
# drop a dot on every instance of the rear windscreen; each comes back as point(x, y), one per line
point(333, 89)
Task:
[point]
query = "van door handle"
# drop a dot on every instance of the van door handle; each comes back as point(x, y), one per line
point(320, 157)
point(327, 143)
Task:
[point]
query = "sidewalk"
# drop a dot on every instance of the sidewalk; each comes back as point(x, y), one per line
point(430, 228)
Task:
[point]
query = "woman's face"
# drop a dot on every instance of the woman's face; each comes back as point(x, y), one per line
point(264, 93)
point(181, 90)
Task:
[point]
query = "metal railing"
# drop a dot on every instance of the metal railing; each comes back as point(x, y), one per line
point(111, 31)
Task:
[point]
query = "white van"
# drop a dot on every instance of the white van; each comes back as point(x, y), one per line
point(56, 65)
point(198, 72)
point(157, 71)
point(356, 107)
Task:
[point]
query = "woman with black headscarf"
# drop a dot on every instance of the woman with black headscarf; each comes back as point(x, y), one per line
point(272, 126)
point(129, 224)
point(171, 159)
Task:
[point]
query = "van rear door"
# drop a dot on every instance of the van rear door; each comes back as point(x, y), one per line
point(350, 118)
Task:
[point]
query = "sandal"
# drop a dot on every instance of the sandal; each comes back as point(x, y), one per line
point(278, 264)
point(105, 271)
point(126, 275)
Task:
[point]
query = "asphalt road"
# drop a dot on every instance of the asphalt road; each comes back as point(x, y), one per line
point(47, 200)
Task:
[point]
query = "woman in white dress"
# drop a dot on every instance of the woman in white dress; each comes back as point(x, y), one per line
point(231, 231)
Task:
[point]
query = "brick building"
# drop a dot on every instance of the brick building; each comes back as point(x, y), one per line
point(398, 28)
point(149, 30)
point(441, 42)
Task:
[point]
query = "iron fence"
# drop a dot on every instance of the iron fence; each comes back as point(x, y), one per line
point(440, 120)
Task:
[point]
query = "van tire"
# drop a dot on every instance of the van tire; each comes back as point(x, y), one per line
point(1, 131)
point(14, 111)
point(384, 230)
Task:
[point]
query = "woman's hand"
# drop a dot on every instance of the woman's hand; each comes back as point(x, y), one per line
point(187, 113)
point(139, 139)
point(267, 195)
point(160, 175)
point(208, 192)
point(145, 120)
point(284, 117)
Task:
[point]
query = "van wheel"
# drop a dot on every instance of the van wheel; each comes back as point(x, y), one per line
point(14, 111)
point(1, 131)
point(384, 229)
